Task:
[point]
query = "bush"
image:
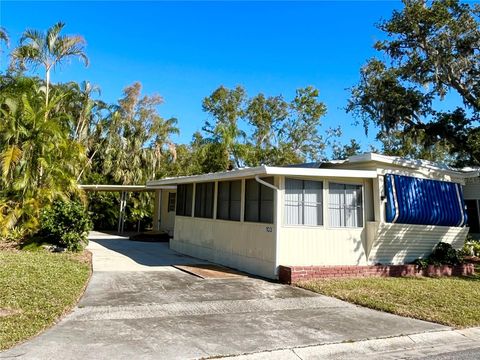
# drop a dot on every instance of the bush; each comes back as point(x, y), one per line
point(66, 224)
point(471, 247)
point(443, 254)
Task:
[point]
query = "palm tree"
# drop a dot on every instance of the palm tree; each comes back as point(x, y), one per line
point(48, 50)
point(38, 158)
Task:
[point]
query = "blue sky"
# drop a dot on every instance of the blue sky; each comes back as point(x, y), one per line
point(185, 50)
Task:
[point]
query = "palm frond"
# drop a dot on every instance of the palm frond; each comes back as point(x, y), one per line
point(33, 37)
point(67, 46)
point(53, 34)
point(4, 36)
point(25, 54)
point(9, 159)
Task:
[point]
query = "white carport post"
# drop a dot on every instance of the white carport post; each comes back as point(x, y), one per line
point(157, 210)
point(121, 215)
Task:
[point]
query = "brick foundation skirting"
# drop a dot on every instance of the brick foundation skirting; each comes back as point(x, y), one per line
point(294, 274)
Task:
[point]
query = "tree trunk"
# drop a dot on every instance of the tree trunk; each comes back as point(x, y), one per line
point(47, 83)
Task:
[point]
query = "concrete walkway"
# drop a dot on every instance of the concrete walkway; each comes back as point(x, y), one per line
point(453, 344)
point(138, 306)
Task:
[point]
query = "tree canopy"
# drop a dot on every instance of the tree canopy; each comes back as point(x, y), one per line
point(54, 136)
point(431, 50)
point(265, 130)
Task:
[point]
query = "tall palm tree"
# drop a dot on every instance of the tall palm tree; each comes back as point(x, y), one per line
point(48, 50)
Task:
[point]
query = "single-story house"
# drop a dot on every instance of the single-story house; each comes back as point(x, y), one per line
point(365, 210)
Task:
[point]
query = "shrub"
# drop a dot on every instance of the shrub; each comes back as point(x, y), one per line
point(66, 224)
point(471, 247)
point(443, 254)
point(423, 263)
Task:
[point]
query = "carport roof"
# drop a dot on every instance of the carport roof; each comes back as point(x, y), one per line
point(126, 188)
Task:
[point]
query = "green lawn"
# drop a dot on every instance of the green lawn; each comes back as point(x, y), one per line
point(451, 301)
point(36, 288)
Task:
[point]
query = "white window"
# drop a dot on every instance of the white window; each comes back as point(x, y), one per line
point(345, 205)
point(303, 202)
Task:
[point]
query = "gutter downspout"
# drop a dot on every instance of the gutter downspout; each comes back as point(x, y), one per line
point(276, 219)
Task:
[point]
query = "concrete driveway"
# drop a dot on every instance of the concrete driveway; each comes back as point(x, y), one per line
point(137, 306)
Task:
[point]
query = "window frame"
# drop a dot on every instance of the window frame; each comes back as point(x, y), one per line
point(202, 205)
point(182, 196)
point(170, 208)
point(229, 200)
point(260, 195)
point(322, 203)
point(362, 204)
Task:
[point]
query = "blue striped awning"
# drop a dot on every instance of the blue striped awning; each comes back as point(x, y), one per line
point(412, 200)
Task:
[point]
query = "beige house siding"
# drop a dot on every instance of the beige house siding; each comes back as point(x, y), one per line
point(163, 220)
point(241, 245)
point(322, 245)
point(167, 218)
point(402, 243)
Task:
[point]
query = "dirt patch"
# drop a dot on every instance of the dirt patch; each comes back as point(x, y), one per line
point(472, 259)
point(210, 271)
point(8, 312)
point(8, 246)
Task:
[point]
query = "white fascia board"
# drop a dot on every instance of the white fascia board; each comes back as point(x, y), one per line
point(412, 164)
point(330, 173)
point(233, 174)
point(470, 174)
point(266, 170)
point(102, 187)
point(161, 187)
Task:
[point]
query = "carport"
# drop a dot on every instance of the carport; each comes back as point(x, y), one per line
point(163, 201)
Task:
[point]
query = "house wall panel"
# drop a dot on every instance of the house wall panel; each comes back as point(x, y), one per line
point(246, 246)
point(402, 243)
point(321, 246)
point(167, 218)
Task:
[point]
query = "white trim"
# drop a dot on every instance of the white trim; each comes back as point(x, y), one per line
point(266, 170)
point(98, 187)
point(412, 164)
point(395, 201)
point(459, 198)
